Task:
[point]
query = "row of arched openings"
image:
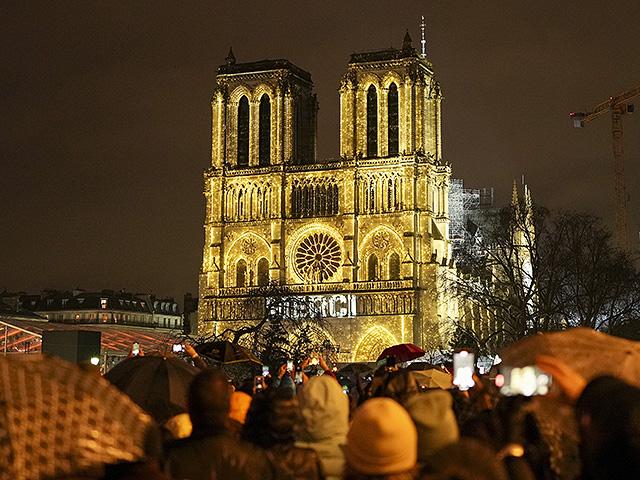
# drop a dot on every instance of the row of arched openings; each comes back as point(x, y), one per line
point(374, 268)
point(264, 131)
point(393, 143)
point(314, 200)
point(252, 202)
point(246, 277)
point(381, 193)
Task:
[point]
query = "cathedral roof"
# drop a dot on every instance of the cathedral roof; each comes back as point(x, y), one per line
point(407, 51)
point(264, 65)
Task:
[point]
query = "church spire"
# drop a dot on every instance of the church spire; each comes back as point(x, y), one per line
point(407, 43)
point(423, 41)
point(514, 194)
point(231, 58)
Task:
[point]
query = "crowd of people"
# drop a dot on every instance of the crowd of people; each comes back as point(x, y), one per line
point(303, 424)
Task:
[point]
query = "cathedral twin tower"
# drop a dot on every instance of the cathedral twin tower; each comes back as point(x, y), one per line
point(364, 237)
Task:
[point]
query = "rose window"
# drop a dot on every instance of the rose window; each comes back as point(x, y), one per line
point(317, 257)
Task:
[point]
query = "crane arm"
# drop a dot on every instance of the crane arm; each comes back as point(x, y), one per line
point(605, 106)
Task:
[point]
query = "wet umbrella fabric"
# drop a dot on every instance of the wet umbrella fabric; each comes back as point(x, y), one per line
point(226, 352)
point(402, 352)
point(356, 369)
point(589, 352)
point(158, 384)
point(59, 421)
point(433, 378)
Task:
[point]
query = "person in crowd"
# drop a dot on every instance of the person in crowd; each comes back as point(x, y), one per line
point(270, 425)
point(240, 402)
point(382, 443)
point(432, 413)
point(467, 459)
point(512, 432)
point(211, 451)
point(324, 409)
point(197, 360)
point(400, 385)
point(608, 416)
point(176, 426)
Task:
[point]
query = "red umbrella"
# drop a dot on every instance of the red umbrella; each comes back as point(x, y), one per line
point(403, 352)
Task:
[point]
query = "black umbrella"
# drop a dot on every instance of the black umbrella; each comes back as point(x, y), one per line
point(226, 352)
point(158, 384)
point(356, 369)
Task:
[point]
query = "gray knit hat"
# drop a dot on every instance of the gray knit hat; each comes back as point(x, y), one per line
point(432, 412)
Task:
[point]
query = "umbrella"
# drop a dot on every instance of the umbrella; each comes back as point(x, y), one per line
point(355, 369)
point(433, 378)
point(59, 421)
point(589, 352)
point(420, 366)
point(226, 352)
point(403, 352)
point(157, 384)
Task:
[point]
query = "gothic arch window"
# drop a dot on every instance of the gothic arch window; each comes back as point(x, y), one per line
point(392, 119)
point(241, 201)
point(241, 273)
point(264, 142)
point(295, 201)
point(335, 200)
point(243, 131)
point(371, 204)
point(394, 266)
point(372, 268)
point(372, 122)
point(263, 272)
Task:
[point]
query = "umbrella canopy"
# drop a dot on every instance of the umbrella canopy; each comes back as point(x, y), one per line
point(355, 369)
point(433, 378)
point(589, 352)
point(58, 421)
point(402, 352)
point(158, 384)
point(226, 352)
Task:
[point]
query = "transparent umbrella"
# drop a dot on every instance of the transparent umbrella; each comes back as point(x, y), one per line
point(58, 421)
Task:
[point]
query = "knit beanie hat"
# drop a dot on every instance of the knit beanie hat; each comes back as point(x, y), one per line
point(240, 402)
point(432, 413)
point(382, 439)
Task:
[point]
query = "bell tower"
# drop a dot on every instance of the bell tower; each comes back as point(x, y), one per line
point(390, 105)
point(263, 113)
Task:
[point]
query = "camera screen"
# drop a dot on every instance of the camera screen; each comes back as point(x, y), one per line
point(527, 381)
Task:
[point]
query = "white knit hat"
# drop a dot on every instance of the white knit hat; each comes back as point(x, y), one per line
point(382, 439)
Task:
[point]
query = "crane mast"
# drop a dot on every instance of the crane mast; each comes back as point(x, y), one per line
point(617, 106)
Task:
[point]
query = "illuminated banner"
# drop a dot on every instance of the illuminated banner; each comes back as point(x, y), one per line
point(325, 306)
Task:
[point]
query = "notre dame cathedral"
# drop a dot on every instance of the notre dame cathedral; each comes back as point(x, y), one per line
point(365, 236)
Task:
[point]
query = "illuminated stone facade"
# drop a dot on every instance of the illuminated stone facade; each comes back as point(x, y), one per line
point(365, 235)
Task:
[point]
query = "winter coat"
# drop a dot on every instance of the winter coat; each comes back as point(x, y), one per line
point(325, 422)
point(218, 456)
point(294, 463)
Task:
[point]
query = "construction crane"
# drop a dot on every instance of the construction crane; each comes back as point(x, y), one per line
point(618, 106)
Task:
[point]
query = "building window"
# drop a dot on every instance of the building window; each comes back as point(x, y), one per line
point(241, 273)
point(264, 143)
point(392, 112)
point(372, 122)
point(103, 303)
point(263, 272)
point(372, 268)
point(394, 267)
point(243, 132)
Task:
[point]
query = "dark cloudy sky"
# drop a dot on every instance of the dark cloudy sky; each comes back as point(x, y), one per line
point(104, 120)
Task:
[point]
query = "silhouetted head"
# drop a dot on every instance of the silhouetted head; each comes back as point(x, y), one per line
point(209, 400)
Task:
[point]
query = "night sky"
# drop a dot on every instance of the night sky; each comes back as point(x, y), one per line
point(105, 116)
